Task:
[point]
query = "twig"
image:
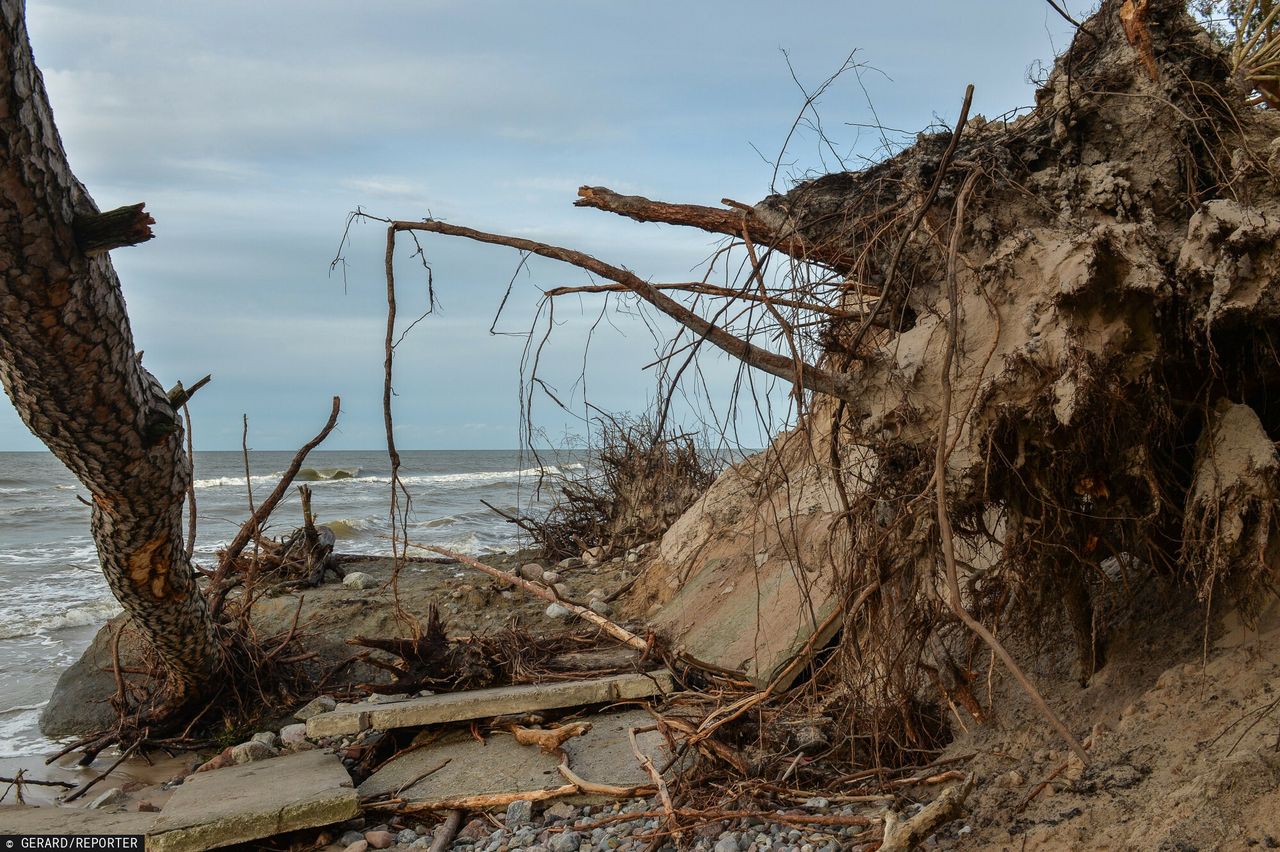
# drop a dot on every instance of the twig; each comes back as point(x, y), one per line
point(84, 788)
point(251, 527)
point(618, 632)
point(904, 836)
point(663, 793)
point(447, 830)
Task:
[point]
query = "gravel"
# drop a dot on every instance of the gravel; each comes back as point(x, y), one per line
point(561, 827)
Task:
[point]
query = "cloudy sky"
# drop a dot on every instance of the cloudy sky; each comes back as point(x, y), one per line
point(251, 129)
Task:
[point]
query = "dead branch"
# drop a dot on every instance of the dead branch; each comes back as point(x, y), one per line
point(550, 740)
point(623, 635)
point(814, 378)
point(900, 836)
point(595, 789)
point(124, 226)
point(716, 221)
point(473, 803)
point(702, 289)
point(251, 527)
point(447, 831)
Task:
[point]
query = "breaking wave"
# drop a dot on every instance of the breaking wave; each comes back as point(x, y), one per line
point(81, 615)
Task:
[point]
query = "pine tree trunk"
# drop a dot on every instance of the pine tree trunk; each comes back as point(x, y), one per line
point(67, 361)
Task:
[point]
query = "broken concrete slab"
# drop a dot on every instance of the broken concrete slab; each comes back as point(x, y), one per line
point(604, 756)
point(459, 767)
point(255, 800)
point(71, 822)
point(485, 703)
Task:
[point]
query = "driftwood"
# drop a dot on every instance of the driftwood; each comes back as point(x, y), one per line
point(447, 831)
point(903, 835)
point(616, 631)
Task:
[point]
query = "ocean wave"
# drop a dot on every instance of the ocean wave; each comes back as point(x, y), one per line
point(324, 474)
point(352, 475)
point(82, 615)
point(345, 528)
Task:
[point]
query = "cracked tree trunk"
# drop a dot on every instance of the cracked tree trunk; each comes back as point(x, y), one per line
point(67, 361)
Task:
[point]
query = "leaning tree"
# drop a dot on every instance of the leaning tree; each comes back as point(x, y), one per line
point(67, 360)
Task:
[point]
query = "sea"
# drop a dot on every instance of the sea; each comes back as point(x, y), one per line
point(53, 597)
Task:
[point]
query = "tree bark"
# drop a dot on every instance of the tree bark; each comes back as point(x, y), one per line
point(67, 361)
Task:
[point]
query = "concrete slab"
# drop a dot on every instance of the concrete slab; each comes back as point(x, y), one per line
point(460, 767)
point(484, 703)
point(53, 821)
point(243, 803)
point(603, 755)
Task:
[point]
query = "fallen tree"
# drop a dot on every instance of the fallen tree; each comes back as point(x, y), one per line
point(1055, 337)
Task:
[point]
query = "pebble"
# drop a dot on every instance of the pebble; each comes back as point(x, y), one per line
point(316, 706)
point(599, 607)
point(531, 571)
point(571, 562)
point(519, 812)
point(359, 580)
point(379, 839)
point(558, 611)
point(551, 577)
point(406, 836)
point(566, 841)
point(251, 752)
point(294, 737)
point(267, 738)
point(728, 843)
point(349, 837)
point(359, 846)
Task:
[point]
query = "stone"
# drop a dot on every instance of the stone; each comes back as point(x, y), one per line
point(560, 811)
point(349, 837)
point(570, 563)
point(593, 554)
point(551, 577)
point(145, 807)
point(558, 611)
point(294, 737)
point(565, 841)
point(316, 706)
point(599, 607)
point(486, 703)
point(474, 830)
point(727, 844)
point(531, 571)
point(360, 845)
point(255, 800)
point(359, 580)
point(379, 839)
point(597, 593)
point(562, 591)
point(267, 738)
point(114, 796)
point(406, 836)
point(250, 752)
point(519, 812)
point(1012, 778)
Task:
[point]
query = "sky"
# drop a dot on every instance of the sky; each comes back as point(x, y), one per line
point(251, 130)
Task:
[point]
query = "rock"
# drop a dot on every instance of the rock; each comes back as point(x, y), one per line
point(380, 698)
point(251, 752)
point(1012, 778)
point(474, 830)
point(567, 841)
point(294, 737)
point(146, 807)
point(349, 837)
point(379, 839)
point(531, 571)
point(599, 607)
point(728, 843)
point(560, 810)
point(267, 738)
point(551, 577)
point(223, 758)
point(593, 554)
point(114, 796)
point(597, 593)
point(558, 611)
point(519, 812)
point(359, 580)
point(571, 562)
point(632, 557)
point(817, 803)
point(316, 706)
point(359, 846)
point(561, 589)
point(406, 836)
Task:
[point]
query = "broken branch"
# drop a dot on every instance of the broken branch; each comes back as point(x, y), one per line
point(124, 226)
